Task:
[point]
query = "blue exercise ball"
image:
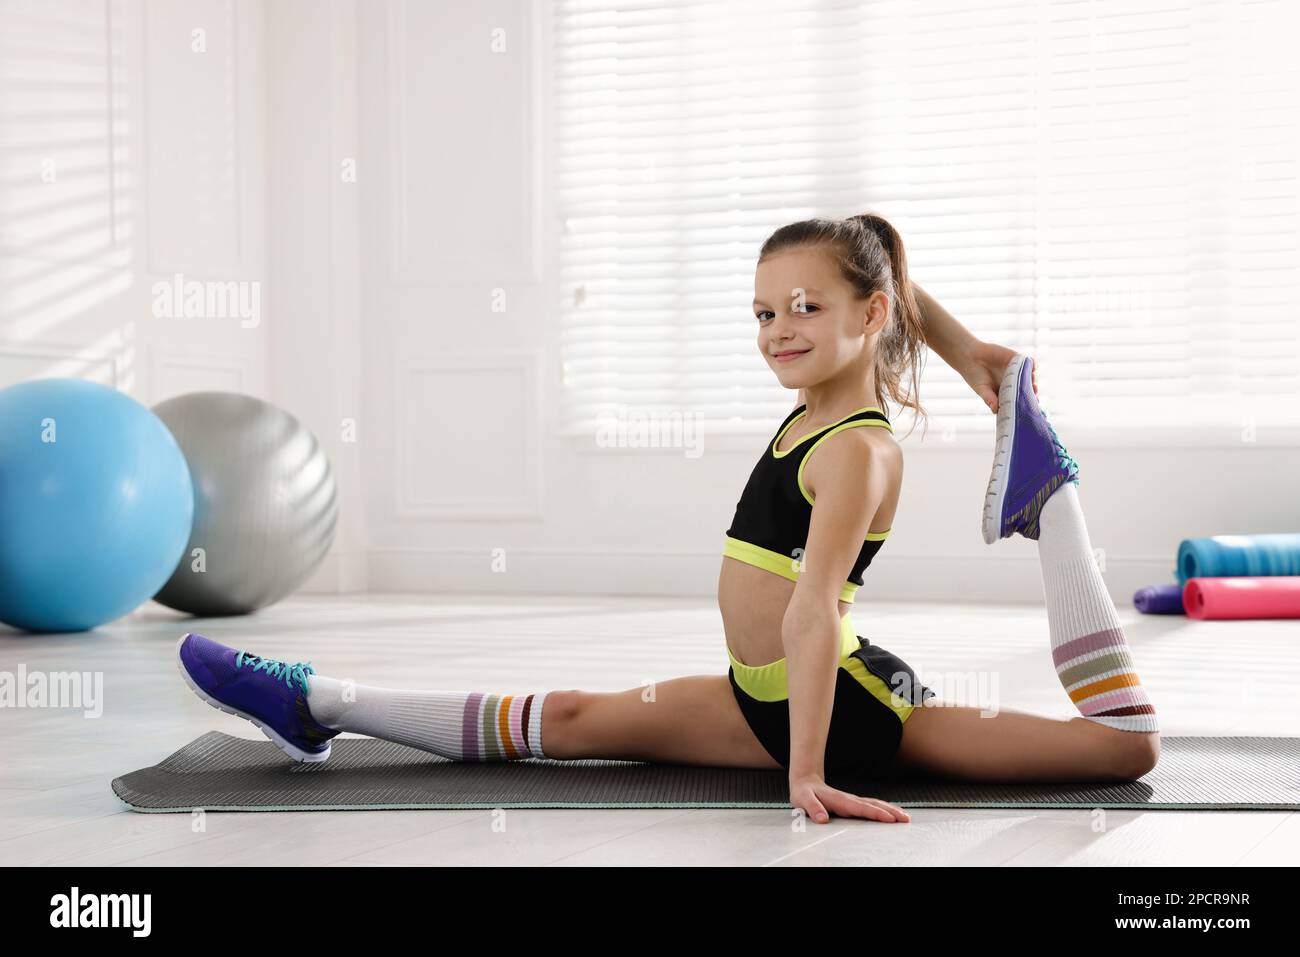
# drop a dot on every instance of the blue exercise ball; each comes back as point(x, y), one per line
point(96, 504)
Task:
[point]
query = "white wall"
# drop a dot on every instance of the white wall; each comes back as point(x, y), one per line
point(316, 332)
point(419, 304)
point(125, 158)
point(464, 454)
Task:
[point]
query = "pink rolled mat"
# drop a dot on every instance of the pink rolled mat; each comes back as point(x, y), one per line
point(1274, 596)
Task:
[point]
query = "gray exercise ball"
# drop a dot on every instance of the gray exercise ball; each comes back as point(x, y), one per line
point(265, 503)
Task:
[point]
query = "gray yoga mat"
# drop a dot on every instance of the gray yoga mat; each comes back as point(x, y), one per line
point(218, 772)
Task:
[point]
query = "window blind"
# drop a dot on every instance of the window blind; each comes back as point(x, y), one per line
point(1110, 185)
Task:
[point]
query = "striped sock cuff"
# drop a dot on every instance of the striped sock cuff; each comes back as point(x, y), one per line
point(533, 723)
point(1097, 672)
point(502, 727)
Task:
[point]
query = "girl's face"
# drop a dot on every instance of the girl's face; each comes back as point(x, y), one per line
point(810, 325)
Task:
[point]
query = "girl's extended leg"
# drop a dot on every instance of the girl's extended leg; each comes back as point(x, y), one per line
point(691, 720)
point(1117, 735)
point(967, 744)
point(1089, 649)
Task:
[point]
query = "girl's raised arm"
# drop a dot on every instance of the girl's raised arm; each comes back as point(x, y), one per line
point(943, 333)
point(980, 363)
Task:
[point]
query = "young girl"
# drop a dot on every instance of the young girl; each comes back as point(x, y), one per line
point(838, 320)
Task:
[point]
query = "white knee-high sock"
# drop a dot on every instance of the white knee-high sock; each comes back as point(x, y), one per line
point(1089, 649)
point(461, 725)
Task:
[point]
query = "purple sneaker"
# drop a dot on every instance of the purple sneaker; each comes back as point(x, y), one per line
point(269, 693)
point(1029, 461)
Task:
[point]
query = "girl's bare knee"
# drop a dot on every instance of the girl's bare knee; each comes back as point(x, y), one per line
point(565, 703)
point(1131, 754)
point(1141, 751)
point(558, 720)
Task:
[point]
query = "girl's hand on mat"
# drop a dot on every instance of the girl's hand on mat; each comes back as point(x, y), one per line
point(819, 801)
point(984, 368)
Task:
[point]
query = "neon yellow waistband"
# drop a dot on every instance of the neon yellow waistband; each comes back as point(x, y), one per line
point(769, 682)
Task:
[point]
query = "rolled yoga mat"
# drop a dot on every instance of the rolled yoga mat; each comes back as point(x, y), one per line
point(1274, 596)
point(1225, 556)
point(1159, 600)
point(218, 772)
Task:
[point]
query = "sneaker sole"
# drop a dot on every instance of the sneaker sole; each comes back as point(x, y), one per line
point(996, 494)
point(298, 754)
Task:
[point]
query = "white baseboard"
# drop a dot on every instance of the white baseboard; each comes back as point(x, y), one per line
point(1006, 578)
point(340, 573)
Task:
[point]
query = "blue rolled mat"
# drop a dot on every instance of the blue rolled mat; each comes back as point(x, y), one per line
point(1229, 556)
point(1159, 600)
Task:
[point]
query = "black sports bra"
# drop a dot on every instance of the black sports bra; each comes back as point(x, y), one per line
point(770, 527)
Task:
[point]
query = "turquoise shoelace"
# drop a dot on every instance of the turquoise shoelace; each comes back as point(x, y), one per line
point(1064, 458)
point(298, 671)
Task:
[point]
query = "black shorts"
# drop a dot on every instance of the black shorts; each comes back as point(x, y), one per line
point(875, 692)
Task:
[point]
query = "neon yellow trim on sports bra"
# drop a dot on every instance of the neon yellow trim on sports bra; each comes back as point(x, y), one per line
point(777, 441)
point(783, 565)
point(834, 431)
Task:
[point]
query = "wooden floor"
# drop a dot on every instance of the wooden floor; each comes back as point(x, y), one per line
point(56, 807)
